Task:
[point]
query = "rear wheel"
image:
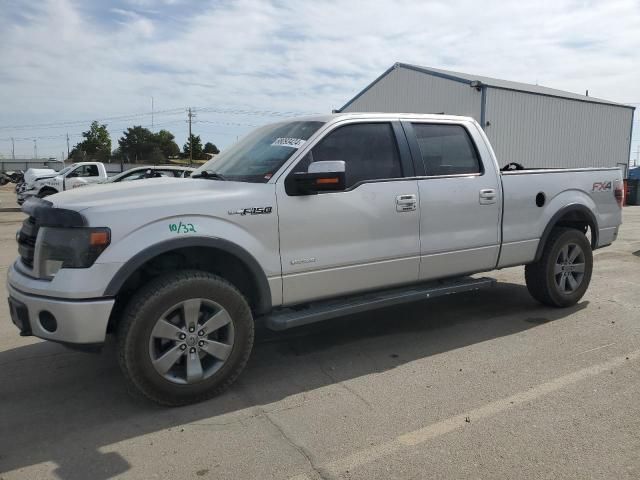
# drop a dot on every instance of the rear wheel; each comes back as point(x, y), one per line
point(562, 275)
point(185, 337)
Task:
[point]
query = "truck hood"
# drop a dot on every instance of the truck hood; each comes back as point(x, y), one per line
point(211, 207)
point(150, 193)
point(36, 173)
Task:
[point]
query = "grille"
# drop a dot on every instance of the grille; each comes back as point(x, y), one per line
point(27, 241)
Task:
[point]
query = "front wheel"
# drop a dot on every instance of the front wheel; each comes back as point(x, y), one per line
point(562, 275)
point(184, 338)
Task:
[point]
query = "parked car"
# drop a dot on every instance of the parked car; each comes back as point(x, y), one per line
point(140, 173)
point(300, 221)
point(74, 176)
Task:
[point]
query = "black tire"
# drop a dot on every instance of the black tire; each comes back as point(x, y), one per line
point(140, 317)
point(541, 277)
point(45, 192)
point(3, 180)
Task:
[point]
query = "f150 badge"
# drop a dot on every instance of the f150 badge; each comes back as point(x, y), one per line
point(252, 211)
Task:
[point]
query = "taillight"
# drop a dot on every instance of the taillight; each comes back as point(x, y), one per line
point(619, 193)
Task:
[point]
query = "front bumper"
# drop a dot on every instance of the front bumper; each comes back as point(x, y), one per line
point(76, 321)
point(26, 195)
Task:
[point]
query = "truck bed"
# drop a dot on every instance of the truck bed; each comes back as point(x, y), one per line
point(533, 196)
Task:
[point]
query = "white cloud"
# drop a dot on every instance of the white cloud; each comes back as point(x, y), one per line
point(63, 63)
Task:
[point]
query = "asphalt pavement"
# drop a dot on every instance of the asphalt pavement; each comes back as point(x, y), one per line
point(487, 384)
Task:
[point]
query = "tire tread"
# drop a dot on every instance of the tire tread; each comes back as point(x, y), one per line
point(136, 382)
point(536, 273)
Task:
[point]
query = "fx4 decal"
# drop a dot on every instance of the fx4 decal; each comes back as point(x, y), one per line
point(252, 211)
point(602, 187)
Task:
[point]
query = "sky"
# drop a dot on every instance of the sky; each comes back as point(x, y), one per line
point(244, 63)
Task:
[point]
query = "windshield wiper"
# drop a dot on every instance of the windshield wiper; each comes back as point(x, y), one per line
point(209, 174)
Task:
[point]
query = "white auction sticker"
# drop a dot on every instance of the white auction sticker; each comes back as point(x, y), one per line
point(288, 142)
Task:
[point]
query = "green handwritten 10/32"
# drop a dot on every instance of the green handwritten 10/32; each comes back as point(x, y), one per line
point(182, 227)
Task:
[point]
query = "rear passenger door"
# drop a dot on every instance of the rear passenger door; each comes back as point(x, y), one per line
point(460, 200)
point(362, 238)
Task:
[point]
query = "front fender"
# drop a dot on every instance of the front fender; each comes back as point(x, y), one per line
point(142, 257)
point(252, 239)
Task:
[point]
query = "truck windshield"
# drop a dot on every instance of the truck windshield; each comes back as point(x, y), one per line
point(260, 154)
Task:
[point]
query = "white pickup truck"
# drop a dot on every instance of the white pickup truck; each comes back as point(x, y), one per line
point(73, 176)
point(300, 221)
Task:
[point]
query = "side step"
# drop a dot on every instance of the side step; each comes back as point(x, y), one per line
point(289, 317)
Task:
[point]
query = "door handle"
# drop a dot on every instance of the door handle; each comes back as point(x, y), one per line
point(488, 196)
point(406, 203)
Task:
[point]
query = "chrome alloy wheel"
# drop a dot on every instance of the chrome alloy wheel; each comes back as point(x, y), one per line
point(569, 268)
point(191, 341)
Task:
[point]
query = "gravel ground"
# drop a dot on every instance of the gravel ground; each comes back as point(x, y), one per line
point(7, 197)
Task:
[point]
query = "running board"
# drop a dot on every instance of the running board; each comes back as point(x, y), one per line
point(289, 317)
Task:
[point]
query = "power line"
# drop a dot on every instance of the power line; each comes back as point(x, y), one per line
point(130, 116)
point(170, 111)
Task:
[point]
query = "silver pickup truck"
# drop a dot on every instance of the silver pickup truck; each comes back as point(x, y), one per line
point(300, 221)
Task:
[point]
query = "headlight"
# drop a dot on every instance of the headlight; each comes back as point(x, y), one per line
point(58, 248)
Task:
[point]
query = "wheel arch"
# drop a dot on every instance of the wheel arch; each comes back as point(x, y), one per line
point(576, 216)
point(208, 253)
point(48, 188)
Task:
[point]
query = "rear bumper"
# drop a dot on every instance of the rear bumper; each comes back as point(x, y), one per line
point(606, 236)
point(74, 321)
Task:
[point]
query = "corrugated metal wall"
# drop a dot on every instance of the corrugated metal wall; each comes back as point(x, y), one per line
point(534, 130)
point(541, 131)
point(408, 91)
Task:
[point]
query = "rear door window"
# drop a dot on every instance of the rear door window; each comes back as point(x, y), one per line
point(446, 150)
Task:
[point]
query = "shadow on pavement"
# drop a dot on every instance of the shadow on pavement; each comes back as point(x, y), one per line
point(64, 407)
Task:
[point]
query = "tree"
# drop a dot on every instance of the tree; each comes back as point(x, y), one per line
point(166, 142)
point(210, 148)
point(95, 146)
point(197, 147)
point(140, 144)
point(136, 143)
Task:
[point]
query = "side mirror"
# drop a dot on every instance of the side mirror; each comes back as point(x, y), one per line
point(325, 176)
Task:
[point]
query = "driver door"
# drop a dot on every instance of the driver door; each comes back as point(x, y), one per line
point(362, 238)
point(81, 176)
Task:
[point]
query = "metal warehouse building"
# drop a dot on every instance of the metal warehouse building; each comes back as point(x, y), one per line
point(528, 124)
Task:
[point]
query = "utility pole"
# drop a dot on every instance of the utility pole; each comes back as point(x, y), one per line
point(190, 115)
point(68, 152)
point(13, 149)
point(152, 114)
point(35, 148)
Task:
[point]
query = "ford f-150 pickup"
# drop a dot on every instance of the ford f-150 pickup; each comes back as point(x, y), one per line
point(301, 221)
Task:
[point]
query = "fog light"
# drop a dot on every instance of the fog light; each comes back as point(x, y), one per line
point(48, 321)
